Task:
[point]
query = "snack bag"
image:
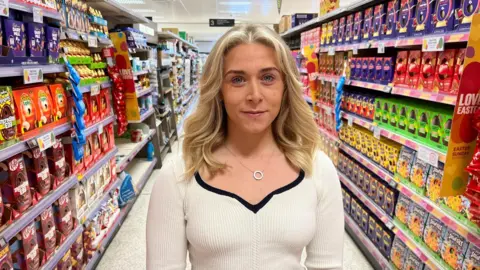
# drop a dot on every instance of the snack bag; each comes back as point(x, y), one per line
point(403, 208)
point(453, 249)
point(434, 232)
point(398, 253)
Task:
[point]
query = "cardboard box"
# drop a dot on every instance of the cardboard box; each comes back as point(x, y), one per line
point(367, 31)
point(358, 26)
point(393, 8)
point(379, 17)
point(443, 16)
point(413, 69)
point(422, 22)
point(349, 29)
point(401, 68)
point(427, 72)
point(405, 22)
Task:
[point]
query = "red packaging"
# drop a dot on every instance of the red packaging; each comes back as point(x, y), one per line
point(31, 252)
point(6, 258)
point(37, 169)
point(76, 166)
point(94, 108)
point(105, 139)
point(57, 164)
point(457, 74)
point(399, 78)
point(113, 169)
point(88, 152)
point(25, 110)
point(445, 68)
point(104, 102)
point(16, 188)
point(78, 255)
point(65, 263)
point(63, 215)
point(96, 150)
point(47, 232)
point(413, 69)
point(86, 116)
point(59, 99)
point(428, 69)
point(44, 104)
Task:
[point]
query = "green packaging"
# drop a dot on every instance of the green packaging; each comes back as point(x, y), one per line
point(402, 117)
point(386, 112)
point(393, 112)
point(378, 110)
point(447, 129)
point(413, 115)
point(440, 125)
point(423, 123)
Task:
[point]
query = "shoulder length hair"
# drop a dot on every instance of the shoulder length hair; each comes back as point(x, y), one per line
point(294, 129)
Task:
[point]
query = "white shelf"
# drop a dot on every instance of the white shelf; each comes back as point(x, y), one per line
point(140, 170)
point(170, 35)
point(142, 117)
point(127, 150)
point(143, 92)
point(16, 71)
point(141, 72)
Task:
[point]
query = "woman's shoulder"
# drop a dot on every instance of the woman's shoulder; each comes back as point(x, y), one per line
point(324, 173)
point(172, 173)
point(322, 163)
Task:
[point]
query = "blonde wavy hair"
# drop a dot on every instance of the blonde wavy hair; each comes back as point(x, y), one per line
point(294, 128)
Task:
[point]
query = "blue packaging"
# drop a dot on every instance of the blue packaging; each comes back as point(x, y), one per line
point(422, 23)
point(367, 31)
point(348, 37)
point(371, 69)
point(335, 32)
point(341, 30)
point(301, 18)
point(358, 69)
point(379, 16)
point(365, 72)
point(405, 18)
point(357, 27)
point(393, 8)
point(388, 70)
point(378, 69)
point(443, 16)
point(35, 39)
point(465, 13)
point(353, 72)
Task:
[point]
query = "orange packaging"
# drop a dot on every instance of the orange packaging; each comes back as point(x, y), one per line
point(59, 99)
point(44, 104)
point(26, 111)
point(104, 103)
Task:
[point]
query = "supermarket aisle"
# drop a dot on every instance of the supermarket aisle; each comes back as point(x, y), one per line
point(128, 252)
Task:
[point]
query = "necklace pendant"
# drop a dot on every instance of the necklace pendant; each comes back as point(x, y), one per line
point(258, 175)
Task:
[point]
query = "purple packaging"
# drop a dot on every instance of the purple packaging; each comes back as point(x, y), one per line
point(353, 68)
point(388, 71)
point(301, 18)
point(36, 39)
point(335, 32)
point(16, 37)
point(367, 31)
point(130, 39)
point(53, 40)
point(423, 17)
point(378, 69)
point(357, 27)
point(358, 69)
point(443, 16)
point(365, 61)
point(465, 13)
point(379, 16)
point(405, 18)
point(341, 30)
point(349, 29)
point(393, 7)
point(371, 69)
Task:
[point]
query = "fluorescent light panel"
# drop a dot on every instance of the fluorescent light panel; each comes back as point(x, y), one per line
point(235, 3)
point(130, 2)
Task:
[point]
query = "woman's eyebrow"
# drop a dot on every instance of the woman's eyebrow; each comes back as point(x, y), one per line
point(241, 72)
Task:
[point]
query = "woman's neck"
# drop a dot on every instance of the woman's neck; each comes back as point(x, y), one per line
point(248, 144)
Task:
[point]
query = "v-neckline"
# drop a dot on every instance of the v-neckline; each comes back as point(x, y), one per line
point(252, 207)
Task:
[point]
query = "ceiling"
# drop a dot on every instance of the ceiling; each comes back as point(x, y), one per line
point(193, 15)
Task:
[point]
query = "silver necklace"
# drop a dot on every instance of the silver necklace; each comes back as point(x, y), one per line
point(258, 174)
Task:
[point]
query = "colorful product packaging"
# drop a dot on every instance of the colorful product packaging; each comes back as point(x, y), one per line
point(403, 208)
point(357, 27)
point(59, 100)
point(417, 217)
point(367, 29)
point(44, 105)
point(443, 17)
point(349, 29)
point(413, 69)
point(472, 258)
point(464, 14)
point(35, 39)
point(453, 249)
point(412, 262)
point(399, 253)
point(7, 115)
point(401, 69)
point(405, 17)
point(388, 70)
point(393, 8)
point(445, 70)
point(457, 73)
point(434, 232)
point(25, 111)
point(379, 17)
point(427, 73)
point(16, 37)
point(341, 30)
point(52, 43)
point(423, 17)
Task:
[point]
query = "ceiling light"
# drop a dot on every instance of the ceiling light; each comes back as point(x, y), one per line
point(238, 3)
point(129, 2)
point(145, 10)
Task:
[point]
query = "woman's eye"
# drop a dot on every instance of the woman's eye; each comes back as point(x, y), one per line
point(237, 80)
point(268, 78)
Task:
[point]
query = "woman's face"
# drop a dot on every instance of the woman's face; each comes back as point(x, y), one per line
point(252, 87)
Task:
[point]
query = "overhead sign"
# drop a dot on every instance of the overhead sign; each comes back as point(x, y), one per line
point(222, 22)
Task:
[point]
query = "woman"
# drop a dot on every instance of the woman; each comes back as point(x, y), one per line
point(252, 190)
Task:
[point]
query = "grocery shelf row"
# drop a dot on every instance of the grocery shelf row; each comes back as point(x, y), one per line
point(127, 150)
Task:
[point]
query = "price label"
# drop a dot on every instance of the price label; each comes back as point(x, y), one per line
point(328, 110)
point(94, 90)
point(37, 15)
point(331, 50)
point(84, 36)
point(100, 128)
point(350, 120)
point(32, 75)
point(92, 41)
point(427, 155)
point(45, 141)
point(355, 49)
point(376, 132)
point(4, 10)
point(387, 89)
point(433, 44)
point(381, 47)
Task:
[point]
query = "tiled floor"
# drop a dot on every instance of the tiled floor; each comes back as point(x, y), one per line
point(128, 251)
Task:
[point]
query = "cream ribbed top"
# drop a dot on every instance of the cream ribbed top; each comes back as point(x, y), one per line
point(222, 231)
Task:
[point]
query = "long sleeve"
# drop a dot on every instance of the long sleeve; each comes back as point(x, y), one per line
point(166, 237)
point(325, 251)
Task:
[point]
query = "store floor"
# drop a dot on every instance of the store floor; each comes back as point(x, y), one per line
point(128, 250)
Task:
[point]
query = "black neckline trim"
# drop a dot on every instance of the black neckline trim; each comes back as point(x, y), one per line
point(252, 207)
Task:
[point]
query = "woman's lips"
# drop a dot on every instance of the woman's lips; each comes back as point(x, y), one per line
point(254, 114)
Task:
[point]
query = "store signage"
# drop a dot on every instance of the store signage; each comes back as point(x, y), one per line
point(222, 22)
point(95, 90)
point(37, 15)
point(32, 75)
point(92, 41)
point(45, 141)
point(428, 156)
point(146, 30)
point(463, 136)
point(381, 47)
point(4, 11)
point(433, 44)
